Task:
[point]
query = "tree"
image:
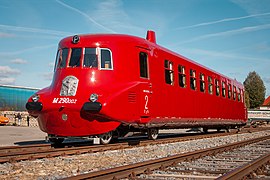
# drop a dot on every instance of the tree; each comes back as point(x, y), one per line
point(255, 88)
point(247, 100)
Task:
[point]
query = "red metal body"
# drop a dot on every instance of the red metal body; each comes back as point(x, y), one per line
point(138, 88)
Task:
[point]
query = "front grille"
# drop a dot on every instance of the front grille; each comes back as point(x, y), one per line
point(132, 97)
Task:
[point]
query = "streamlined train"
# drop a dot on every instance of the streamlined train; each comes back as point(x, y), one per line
point(106, 85)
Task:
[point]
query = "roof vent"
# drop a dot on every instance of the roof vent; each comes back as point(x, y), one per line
point(151, 36)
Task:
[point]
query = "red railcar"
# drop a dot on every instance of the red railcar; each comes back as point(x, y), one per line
point(107, 84)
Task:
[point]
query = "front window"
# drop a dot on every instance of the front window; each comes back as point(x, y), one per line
point(84, 57)
point(75, 58)
point(106, 61)
point(61, 58)
point(90, 57)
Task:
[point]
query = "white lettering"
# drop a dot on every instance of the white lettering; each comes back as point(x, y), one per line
point(55, 100)
point(64, 101)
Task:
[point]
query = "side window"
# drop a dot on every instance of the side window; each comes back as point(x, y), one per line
point(61, 58)
point(210, 85)
point(192, 79)
point(143, 65)
point(223, 89)
point(234, 93)
point(169, 72)
point(182, 76)
point(217, 87)
point(106, 59)
point(202, 83)
point(239, 94)
point(75, 57)
point(229, 91)
point(90, 57)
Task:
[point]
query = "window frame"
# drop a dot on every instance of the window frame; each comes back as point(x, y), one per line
point(100, 58)
point(145, 66)
point(169, 72)
point(223, 89)
point(234, 92)
point(217, 87)
point(210, 85)
point(70, 56)
point(229, 91)
point(192, 74)
point(83, 60)
point(182, 78)
point(202, 82)
point(239, 94)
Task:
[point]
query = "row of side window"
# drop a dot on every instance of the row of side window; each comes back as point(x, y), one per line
point(232, 93)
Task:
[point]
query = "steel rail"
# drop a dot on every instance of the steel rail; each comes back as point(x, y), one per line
point(18, 153)
point(148, 166)
point(246, 169)
point(30, 152)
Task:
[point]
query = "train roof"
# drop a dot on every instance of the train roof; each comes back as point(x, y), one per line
point(149, 42)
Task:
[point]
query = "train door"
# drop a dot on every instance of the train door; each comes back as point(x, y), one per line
point(145, 86)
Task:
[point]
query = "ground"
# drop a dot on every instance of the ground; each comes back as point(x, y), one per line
point(16, 135)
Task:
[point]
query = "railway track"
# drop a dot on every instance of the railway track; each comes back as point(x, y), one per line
point(231, 161)
point(30, 152)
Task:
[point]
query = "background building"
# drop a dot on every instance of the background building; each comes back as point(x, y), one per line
point(14, 98)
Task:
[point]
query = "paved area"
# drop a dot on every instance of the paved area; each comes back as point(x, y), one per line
point(21, 135)
point(15, 135)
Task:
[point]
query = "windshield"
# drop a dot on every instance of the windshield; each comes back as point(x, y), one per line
point(90, 58)
point(61, 58)
point(86, 57)
point(75, 58)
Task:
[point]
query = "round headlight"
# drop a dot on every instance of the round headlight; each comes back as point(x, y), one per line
point(35, 98)
point(93, 97)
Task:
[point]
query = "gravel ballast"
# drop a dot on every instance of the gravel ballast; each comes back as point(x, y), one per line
point(60, 167)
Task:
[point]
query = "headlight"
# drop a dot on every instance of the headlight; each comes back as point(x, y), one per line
point(93, 97)
point(35, 98)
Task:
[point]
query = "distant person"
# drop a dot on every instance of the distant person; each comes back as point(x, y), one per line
point(15, 116)
point(28, 121)
point(19, 116)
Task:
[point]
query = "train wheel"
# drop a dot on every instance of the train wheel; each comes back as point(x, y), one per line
point(228, 129)
point(205, 130)
point(152, 133)
point(106, 137)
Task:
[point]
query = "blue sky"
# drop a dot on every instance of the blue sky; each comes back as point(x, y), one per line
point(228, 36)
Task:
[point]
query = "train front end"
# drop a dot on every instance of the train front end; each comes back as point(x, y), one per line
point(73, 104)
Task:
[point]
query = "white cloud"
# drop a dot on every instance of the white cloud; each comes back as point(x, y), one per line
point(48, 76)
point(6, 71)
point(224, 20)
point(6, 35)
point(32, 30)
point(27, 49)
point(225, 55)
point(5, 75)
point(18, 61)
point(227, 33)
point(112, 14)
point(86, 16)
point(267, 80)
point(7, 80)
